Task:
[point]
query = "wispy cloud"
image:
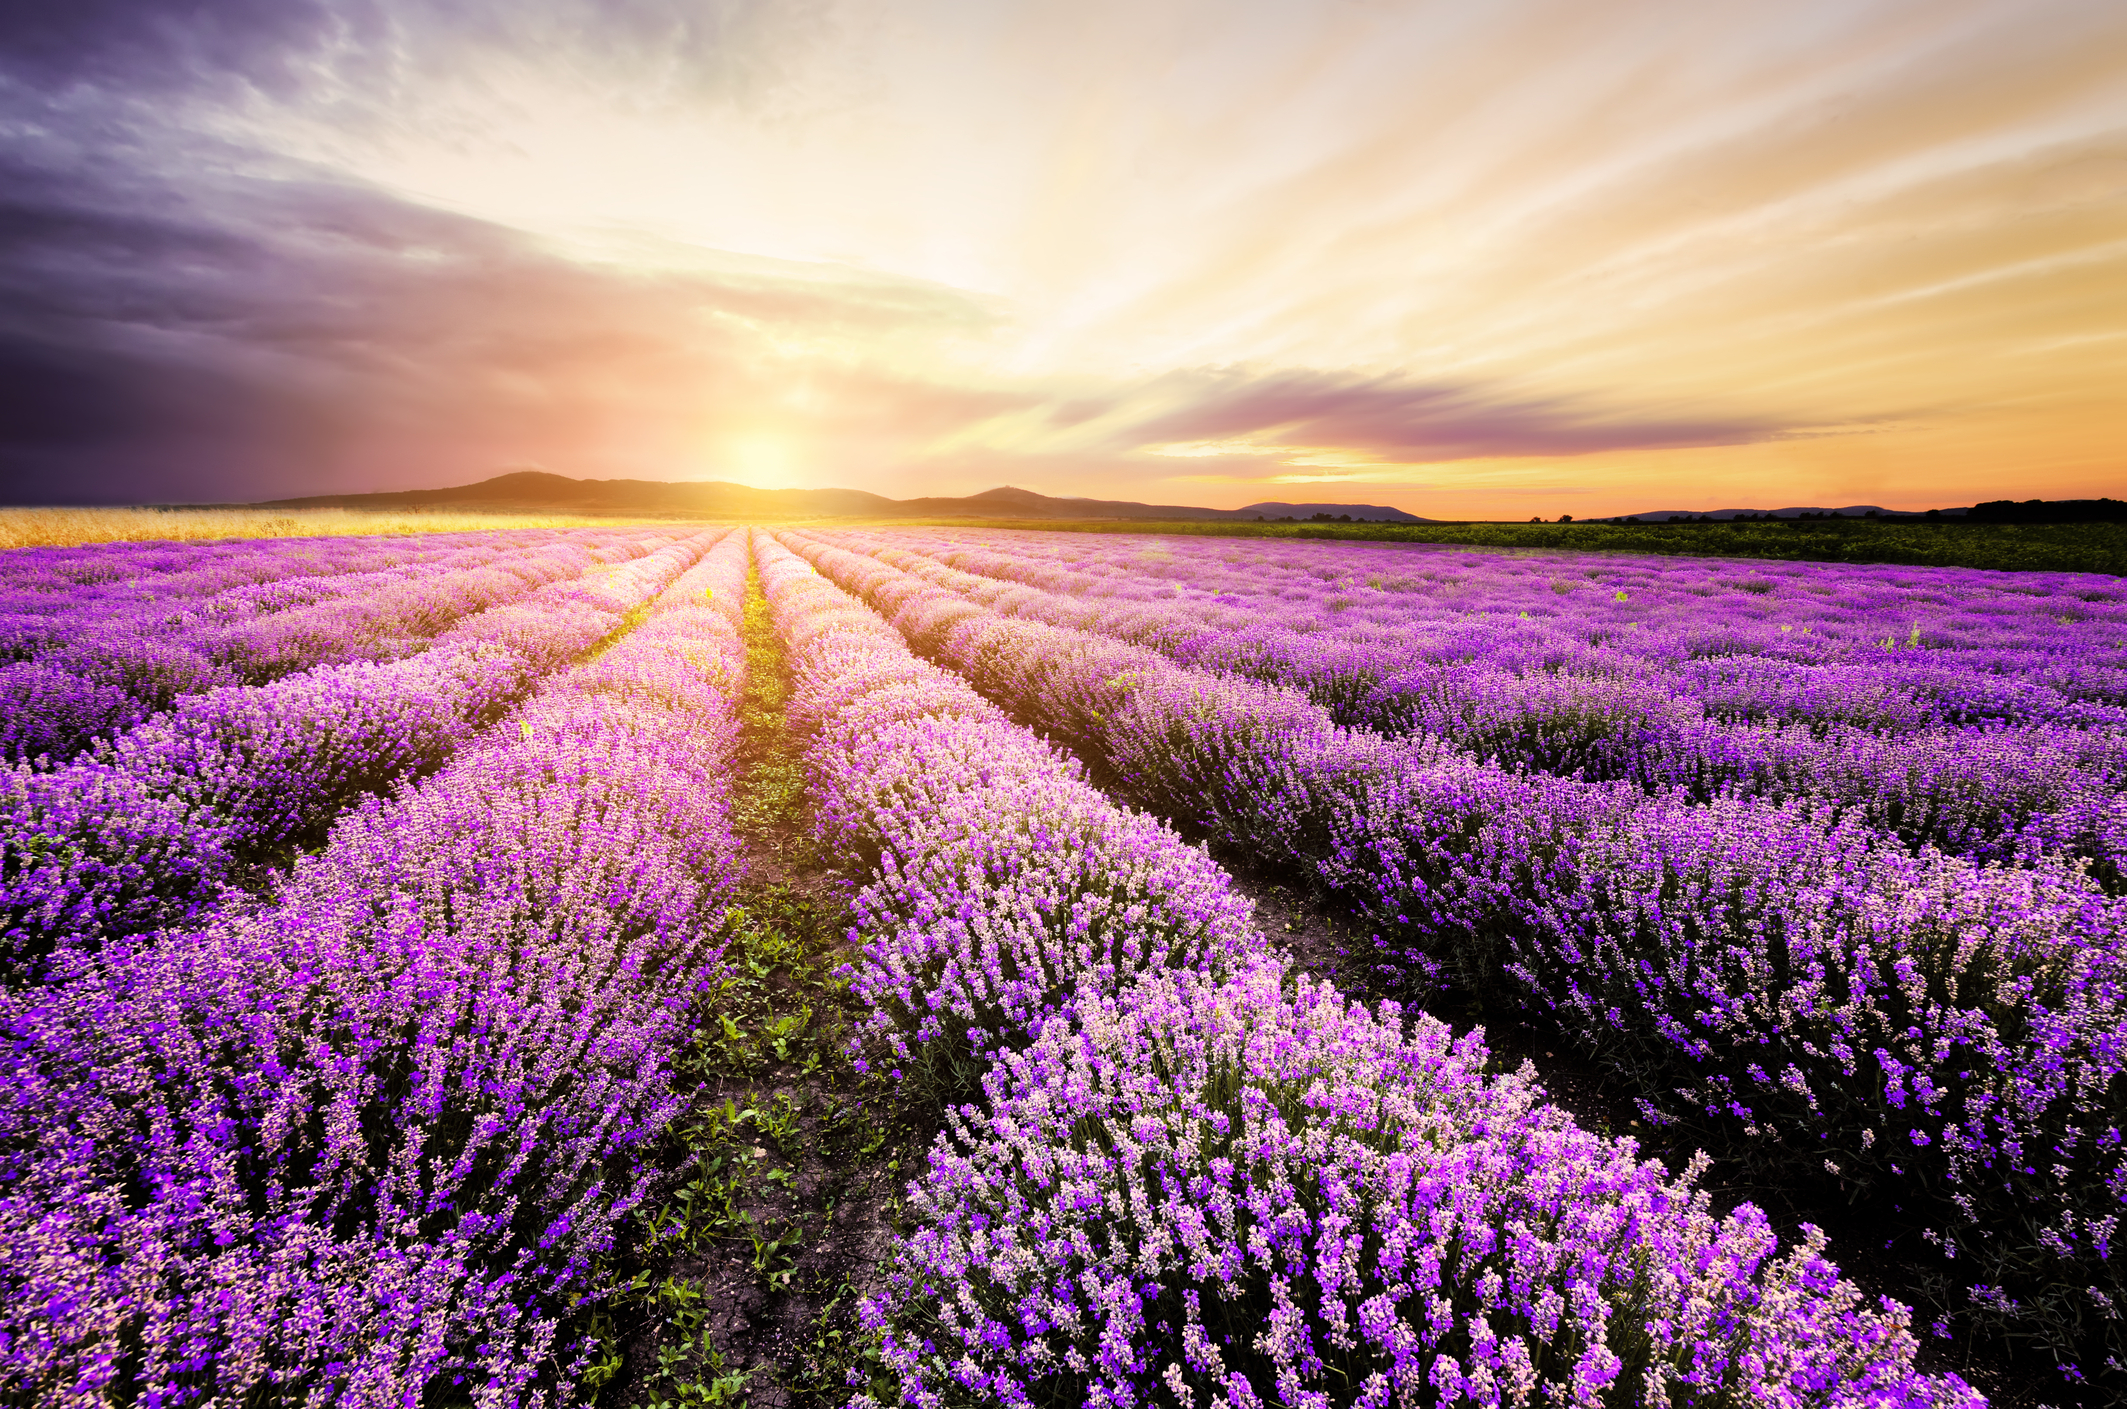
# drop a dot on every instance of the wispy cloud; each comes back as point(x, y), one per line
point(307, 244)
point(249, 336)
point(376, 59)
point(1394, 418)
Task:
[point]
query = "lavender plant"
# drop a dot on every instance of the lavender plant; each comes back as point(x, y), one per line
point(1126, 1216)
point(110, 666)
point(1675, 941)
point(1247, 1193)
point(362, 1146)
point(1815, 857)
point(1961, 758)
point(1002, 880)
point(153, 829)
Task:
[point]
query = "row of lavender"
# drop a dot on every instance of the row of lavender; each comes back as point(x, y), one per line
point(2060, 631)
point(359, 1146)
point(37, 581)
point(1926, 743)
point(1196, 1172)
point(92, 662)
point(156, 827)
point(46, 593)
point(1816, 997)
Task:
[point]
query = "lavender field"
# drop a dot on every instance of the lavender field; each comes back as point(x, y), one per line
point(687, 964)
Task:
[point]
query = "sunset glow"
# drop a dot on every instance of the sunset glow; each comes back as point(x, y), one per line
point(1501, 260)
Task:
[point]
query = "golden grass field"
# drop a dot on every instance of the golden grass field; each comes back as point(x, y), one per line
point(59, 528)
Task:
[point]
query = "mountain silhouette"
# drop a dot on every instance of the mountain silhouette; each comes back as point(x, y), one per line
point(539, 491)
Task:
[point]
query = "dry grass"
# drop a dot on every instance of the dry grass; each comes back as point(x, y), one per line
point(58, 528)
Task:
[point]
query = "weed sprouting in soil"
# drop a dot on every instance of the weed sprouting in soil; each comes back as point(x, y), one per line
point(741, 1274)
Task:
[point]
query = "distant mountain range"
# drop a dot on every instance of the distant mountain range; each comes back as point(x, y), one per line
point(539, 492)
point(546, 493)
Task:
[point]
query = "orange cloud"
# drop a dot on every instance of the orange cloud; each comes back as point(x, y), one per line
point(1460, 257)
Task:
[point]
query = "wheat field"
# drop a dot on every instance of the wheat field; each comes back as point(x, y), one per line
point(65, 527)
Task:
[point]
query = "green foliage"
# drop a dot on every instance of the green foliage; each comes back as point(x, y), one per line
point(778, 1003)
point(2095, 547)
point(688, 1369)
point(780, 1130)
point(770, 804)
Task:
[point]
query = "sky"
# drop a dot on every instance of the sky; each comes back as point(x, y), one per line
point(1470, 258)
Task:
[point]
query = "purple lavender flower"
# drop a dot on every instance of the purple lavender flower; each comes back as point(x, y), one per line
point(103, 660)
point(151, 830)
point(1003, 882)
point(1754, 955)
point(1249, 1192)
point(366, 1141)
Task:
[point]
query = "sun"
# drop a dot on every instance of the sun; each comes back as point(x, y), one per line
point(762, 459)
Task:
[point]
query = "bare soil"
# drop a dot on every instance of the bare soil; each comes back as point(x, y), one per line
point(775, 1214)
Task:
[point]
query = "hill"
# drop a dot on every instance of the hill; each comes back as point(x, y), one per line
point(539, 492)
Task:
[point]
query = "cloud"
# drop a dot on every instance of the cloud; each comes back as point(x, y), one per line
point(375, 56)
point(148, 47)
point(1394, 418)
point(1343, 422)
point(282, 246)
point(247, 328)
point(233, 335)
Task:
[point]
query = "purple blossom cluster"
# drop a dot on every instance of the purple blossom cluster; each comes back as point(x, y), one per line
point(154, 827)
point(110, 579)
point(2049, 638)
point(1195, 1174)
point(359, 1146)
point(1004, 881)
point(1965, 747)
point(1814, 994)
point(1251, 1192)
point(93, 662)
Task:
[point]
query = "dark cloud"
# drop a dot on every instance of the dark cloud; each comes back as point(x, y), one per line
point(85, 429)
point(381, 53)
point(182, 319)
point(1402, 420)
point(50, 400)
point(109, 392)
point(161, 47)
point(220, 337)
point(229, 337)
